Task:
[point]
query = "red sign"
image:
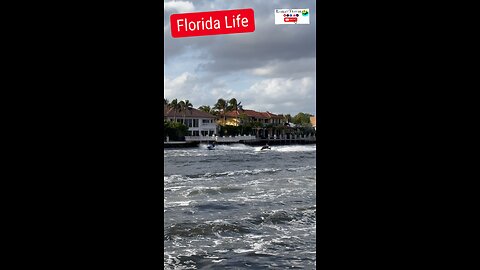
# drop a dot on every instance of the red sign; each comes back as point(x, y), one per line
point(290, 19)
point(212, 23)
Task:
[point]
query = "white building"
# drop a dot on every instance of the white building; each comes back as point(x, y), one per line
point(199, 123)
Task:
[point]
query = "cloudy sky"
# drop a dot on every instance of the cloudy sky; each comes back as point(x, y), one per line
point(271, 69)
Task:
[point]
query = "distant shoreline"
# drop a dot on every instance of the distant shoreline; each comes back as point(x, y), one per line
point(184, 144)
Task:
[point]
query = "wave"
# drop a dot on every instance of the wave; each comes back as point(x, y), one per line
point(215, 206)
point(242, 172)
point(236, 146)
point(304, 168)
point(175, 177)
point(185, 153)
point(212, 190)
point(209, 228)
point(258, 239)
point(202, 151)
point(304, 216)
point(181, 178)
point(294, 148)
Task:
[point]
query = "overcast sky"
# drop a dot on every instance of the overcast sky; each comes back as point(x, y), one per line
point(271, 69)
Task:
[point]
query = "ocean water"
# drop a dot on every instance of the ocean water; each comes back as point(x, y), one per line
point(237, 207)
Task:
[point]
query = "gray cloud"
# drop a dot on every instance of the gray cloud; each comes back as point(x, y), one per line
point(280, 95)
point(199, 90)
point(302, 67)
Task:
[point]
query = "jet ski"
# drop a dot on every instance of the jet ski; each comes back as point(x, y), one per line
point(211, 146)
point(266, 147)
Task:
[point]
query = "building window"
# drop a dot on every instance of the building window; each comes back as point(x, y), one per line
point(195, 123)
point(205, 121)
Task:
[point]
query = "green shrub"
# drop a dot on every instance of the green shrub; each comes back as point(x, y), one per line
point(174, 130)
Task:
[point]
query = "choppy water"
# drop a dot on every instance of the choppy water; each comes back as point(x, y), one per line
point(237, 207)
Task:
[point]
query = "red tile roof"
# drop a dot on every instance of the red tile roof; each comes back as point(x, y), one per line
point(274, 116)
point(252, 113)
point(192, 113)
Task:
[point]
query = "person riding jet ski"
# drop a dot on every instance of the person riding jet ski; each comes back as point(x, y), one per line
point(211, 146)
point(265, 147)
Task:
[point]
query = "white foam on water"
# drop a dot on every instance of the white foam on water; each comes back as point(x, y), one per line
point(175, 188)
point(244, 199)
point(224, 147)
point(294, 148)
point(171, 177)
point(241, 250)
point(254, 236)
point(180, 203)
point(258, 246)
point(196, 152)
point(211, 257)
point(242, 172)
point(304, 168)
point(175, 178)
point(238, 146)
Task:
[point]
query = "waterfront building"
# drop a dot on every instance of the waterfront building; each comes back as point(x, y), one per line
point(237, 117)
point(199, 123)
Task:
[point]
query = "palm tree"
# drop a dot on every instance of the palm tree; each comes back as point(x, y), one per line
point(165, 102)
point(181, 107)
point(234, 105)
point(205, 108)
point(188, 105)
point(222, 107)
point(184, 106)
point(174, 105)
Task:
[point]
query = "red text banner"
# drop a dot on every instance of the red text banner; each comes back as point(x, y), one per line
point(212, 23)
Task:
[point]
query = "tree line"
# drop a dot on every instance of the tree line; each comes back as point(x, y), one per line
point(223, 106)
point(180, 108)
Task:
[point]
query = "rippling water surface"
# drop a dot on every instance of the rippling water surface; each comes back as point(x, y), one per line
point(237, 207)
